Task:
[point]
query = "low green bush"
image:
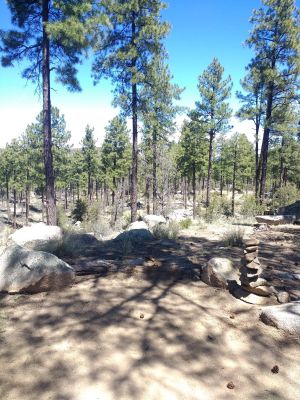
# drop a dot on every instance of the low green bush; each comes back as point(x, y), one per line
point(185, 223)
point(166, 231)
point(234, 237)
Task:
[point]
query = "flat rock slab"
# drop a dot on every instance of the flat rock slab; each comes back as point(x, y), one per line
point(275, 219)
point(240, 293)
point(284, 316)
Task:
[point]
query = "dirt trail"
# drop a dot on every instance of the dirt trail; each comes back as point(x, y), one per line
point(89, 342)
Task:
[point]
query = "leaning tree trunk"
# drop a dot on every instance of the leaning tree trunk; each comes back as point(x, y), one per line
point(48, 159)
point(211, 137)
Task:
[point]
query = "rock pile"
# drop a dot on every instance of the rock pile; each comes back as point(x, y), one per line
point(251, 271)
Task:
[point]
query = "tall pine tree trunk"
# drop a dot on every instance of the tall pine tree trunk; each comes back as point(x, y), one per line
point(234, 181)
point(265, 144)
point(257, 165)
point(27, 201)
point(194, 189)
point(48, 159)
point(154, 172)
point(211, 137)
point(133, 188)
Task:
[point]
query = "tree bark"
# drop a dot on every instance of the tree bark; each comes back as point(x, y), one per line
point(134, 164)
point(194, 189)
point(48, 158)
point(211, 137)
point(154, 172)
point(265, 143)
point(234, 181)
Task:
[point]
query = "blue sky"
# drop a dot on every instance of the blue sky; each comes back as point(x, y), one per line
point(200, 31)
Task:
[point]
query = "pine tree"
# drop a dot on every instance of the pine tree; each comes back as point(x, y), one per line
point(275, 40)
point(90, 158)
point(159, 112)
point(127, 45)
point(192, 154)
point(51, 36)
point(115, 157)
point(253, 108)
point(212, 108)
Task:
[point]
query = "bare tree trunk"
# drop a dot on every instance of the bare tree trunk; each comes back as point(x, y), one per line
point(211, 137)
point(154, 172)
point(15, 209)
point(7, 201)
point(48, 159)
point(194, 189)
point(134, 167)
point(234, 180)
point(27, 201)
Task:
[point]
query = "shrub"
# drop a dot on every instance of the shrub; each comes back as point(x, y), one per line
point(234, 237)
point(185, 223)
point(166, 231)
point(285, 195)
point(250, 207)
point(219, 205)
point(62, 218)
point(80, 210)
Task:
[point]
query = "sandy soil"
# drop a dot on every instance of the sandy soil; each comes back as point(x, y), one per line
point(89, 341)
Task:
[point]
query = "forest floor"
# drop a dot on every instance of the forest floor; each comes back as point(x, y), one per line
point(152, 332)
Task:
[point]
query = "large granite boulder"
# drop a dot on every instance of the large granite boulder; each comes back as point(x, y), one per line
point(135, 236)
point(40, 237)
point(152, 220)
point(275, 219)
point(24, 271)
point(218, 272)
point(284, 316)
point(292, 209)
point(74, 244)
point(137, 225)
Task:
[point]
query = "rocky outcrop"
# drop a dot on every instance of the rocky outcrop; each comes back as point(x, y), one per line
point(283, 316)
point(40, 237)
point(24, 271)
point(218, 272)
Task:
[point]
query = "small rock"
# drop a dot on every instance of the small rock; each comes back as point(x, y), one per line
point(142, 316)
point(275, 369)
point(251, 242)
point(251, 249)
point(230, 385)
point(283, 297)
point(218, 271)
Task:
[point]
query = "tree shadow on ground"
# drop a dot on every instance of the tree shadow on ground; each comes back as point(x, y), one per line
point(148, 333)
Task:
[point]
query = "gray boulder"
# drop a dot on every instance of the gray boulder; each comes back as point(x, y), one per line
point(284, 316)
point(74, 244)
point(40, 237)
point(152, 220)
point(137, 225)
point(24, 271)
point(218, 271)
point(275, 219)
point(135, 236)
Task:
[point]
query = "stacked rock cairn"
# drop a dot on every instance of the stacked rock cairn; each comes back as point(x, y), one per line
point(251, 271)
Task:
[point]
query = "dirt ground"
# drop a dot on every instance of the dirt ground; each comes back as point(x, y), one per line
point(152, 333)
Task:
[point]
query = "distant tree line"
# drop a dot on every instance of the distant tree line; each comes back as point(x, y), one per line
point(126, 39)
